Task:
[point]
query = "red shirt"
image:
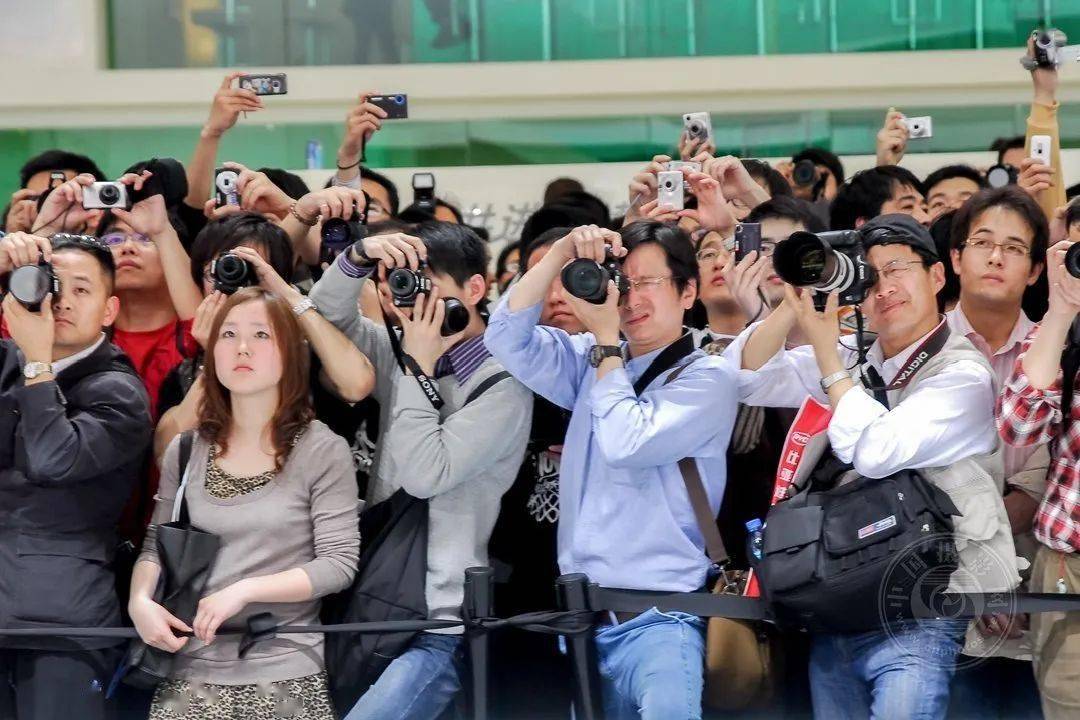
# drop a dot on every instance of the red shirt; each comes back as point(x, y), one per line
point(156, 352)
point(1027, 416)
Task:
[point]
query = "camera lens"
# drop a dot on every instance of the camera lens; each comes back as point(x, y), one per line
point(30, 284)
point(109, 194)
point(999, 176)
point(231, 272)
point(1072, 260)
point(456, 318)
point(807, 260)
point(276, 85)
point(402, 282)
point(586, 279)
point(399, 99)
point(335, 233)
point(805, 173)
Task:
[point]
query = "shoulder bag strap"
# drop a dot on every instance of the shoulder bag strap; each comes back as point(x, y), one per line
point(180, 510)
point(486, 384)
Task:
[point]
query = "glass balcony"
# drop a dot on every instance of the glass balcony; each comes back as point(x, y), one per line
point(227, 33)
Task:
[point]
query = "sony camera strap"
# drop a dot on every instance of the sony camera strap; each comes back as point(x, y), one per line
point(930, 347)
point(408, 364)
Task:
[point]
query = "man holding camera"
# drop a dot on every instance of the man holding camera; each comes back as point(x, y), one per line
point(435, 444)
point(76, 427)
point(932, 417)
point(1038, 406)
point(639, 408)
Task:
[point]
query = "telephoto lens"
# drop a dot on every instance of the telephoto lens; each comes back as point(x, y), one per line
point(231, 272)
point(1072, 260)
point(808, 260)
point(455, 318)
point(805, 173)
point(405, 285)
point(29, 284)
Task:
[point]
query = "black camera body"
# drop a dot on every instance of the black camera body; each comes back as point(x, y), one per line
point(232, 272)
point(338, 235)
point(405, 284)
point(588, 279)
point(30, 284)
point(826, 262)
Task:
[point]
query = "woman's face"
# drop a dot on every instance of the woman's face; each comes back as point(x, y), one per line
point(207, 278)
point(247, 358)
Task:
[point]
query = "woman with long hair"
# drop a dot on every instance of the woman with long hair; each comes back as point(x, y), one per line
point(278, 488)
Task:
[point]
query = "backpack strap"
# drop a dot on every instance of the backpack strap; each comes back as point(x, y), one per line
point(486, 384)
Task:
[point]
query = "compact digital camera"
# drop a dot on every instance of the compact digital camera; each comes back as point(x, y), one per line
point(698, 126)
point(919, 128)
point(105, 196)
point(225, 187)
point(269, 84)
point(669, 189)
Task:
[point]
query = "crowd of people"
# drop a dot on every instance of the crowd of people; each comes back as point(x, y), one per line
point(225, 366)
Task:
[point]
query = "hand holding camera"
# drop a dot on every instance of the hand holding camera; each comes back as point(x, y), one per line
point(64, 209)
point(148, 216)
point(267, 277)
point(423, 335)
point(713, 212)
point(820, 327)
point(1035, 177)
point(744, 278)
point(735, 181)
point(228, 103)
point(600, 318)
point(892, 138)
point(19, 248)
point(595, 256)
point(258, 193)
point(32, 330)
point(22, 212)
point(1044, 55)
point(643, 185)
point(1063, 271)
point(362, 121)
point(395, 250)
point(204, 317)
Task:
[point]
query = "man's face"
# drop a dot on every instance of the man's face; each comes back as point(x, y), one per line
point(949, 195)
point(138, 262)
point(651, 313)
point(1014, 157)
point(906, 199)
point(712, 256)
point(557, 312)
point(378, 208)
point(1001, 274)
point(39, 182)
point(905, 296)
point(773, 232)
point(85, 304)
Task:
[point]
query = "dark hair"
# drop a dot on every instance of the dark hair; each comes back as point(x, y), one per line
point(246, 228)
point(559, 187)
point(290, 184)
point(948, 173)
point(544, 239)
point(294, 412)
point(672, 240)
point(58, 160)
point(863, 195)
point(453, 249)
point(504, 255)
point(776, 183)
point(1072, 214)
point(93, 247)
point(391, 188)
point(1009, 197)
point(415, 214)
point(818, 156)
point(786, 207)
point(551, 216)
point(593, 208)
point(387, 227)
point(1003, 144)
point(941, 232)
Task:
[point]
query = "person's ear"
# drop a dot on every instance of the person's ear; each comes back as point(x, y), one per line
point(1036, 271)
point(954, 256)
point(476, 289)
point(937, 276)
point(689, 294)
point(112, 309)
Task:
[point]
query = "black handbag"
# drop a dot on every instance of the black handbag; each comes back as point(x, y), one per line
point(857, 556)
point(186, 555)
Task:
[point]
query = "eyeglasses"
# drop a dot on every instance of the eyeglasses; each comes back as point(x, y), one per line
point(709, 256)
point(897, 269)
point(985, 246)
point(114, 239)
point(647, 284)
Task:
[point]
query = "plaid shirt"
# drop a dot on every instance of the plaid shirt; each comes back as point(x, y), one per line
point(1026, 416)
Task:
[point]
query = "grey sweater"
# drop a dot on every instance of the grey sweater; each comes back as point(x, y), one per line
point(462, 458)
point(306, 517)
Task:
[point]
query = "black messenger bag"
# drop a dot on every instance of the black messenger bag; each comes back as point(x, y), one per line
point(857, 556)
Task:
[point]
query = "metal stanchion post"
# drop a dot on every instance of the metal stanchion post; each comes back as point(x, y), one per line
point(572, 593)
point(479, 588)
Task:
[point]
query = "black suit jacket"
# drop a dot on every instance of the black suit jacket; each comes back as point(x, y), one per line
point(70, 453)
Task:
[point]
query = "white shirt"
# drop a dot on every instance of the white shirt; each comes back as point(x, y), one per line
point(60, 365)
point(949, 417)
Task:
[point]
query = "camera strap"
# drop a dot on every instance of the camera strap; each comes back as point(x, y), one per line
point(408, 364)
point(930, 347)
point(667, 358)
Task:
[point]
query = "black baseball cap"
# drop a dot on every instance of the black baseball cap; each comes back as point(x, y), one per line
point(898, 229)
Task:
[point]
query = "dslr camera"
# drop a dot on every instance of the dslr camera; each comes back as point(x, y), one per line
point(339, 234)
point(805, 173)
point(232, 272)
point(106, 195)
point(405, 284)
point(826, 262)
point(29, 284)
point(588, 280)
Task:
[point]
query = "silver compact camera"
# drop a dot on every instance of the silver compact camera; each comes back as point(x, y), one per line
point(698, 126)
point(920, 127)
point(669, 189)
point(105, 196)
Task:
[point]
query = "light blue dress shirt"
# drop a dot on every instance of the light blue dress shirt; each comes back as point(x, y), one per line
point(624, 516)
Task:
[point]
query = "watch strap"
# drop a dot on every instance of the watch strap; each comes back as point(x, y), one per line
point(303, 306)
point(829, 380)
point(32, 369)
point(599, 353)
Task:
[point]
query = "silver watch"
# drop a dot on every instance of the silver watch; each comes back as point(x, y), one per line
point(303, 306)
point(830, 380)
point(32, 369)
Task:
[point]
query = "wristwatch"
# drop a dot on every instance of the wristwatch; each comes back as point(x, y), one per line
point(303, 306)
point(32, 369)
point(597, 353)
point(830, 380)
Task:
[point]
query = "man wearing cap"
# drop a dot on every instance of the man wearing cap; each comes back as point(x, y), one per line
point(932, 414)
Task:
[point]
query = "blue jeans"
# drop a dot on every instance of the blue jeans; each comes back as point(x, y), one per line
point(653, 666)
point(418, 685)
point(902, 674)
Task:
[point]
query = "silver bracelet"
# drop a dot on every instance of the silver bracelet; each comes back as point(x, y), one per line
point(303, 306)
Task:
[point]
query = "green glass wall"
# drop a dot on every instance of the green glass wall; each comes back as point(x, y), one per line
point(197, 33)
